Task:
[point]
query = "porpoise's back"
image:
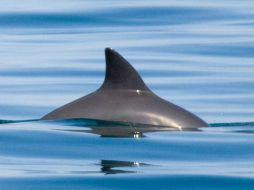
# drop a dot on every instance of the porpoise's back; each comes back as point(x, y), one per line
point(124, 97)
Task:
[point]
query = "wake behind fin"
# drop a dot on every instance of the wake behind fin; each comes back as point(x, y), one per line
point(120, 74)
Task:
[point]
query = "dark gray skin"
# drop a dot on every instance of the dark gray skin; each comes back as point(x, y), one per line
point(124, 97)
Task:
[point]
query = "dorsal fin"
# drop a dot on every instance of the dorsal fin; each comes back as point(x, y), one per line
point(120, 74)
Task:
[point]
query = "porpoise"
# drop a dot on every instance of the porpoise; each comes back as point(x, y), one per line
point(124, 97)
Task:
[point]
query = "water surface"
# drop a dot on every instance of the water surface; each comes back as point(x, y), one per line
point(198, 55)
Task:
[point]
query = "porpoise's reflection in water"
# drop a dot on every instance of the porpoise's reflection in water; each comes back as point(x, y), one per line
point(110, 166)
point(112, 129)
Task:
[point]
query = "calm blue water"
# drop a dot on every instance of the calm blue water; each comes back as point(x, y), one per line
point(199, 55)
